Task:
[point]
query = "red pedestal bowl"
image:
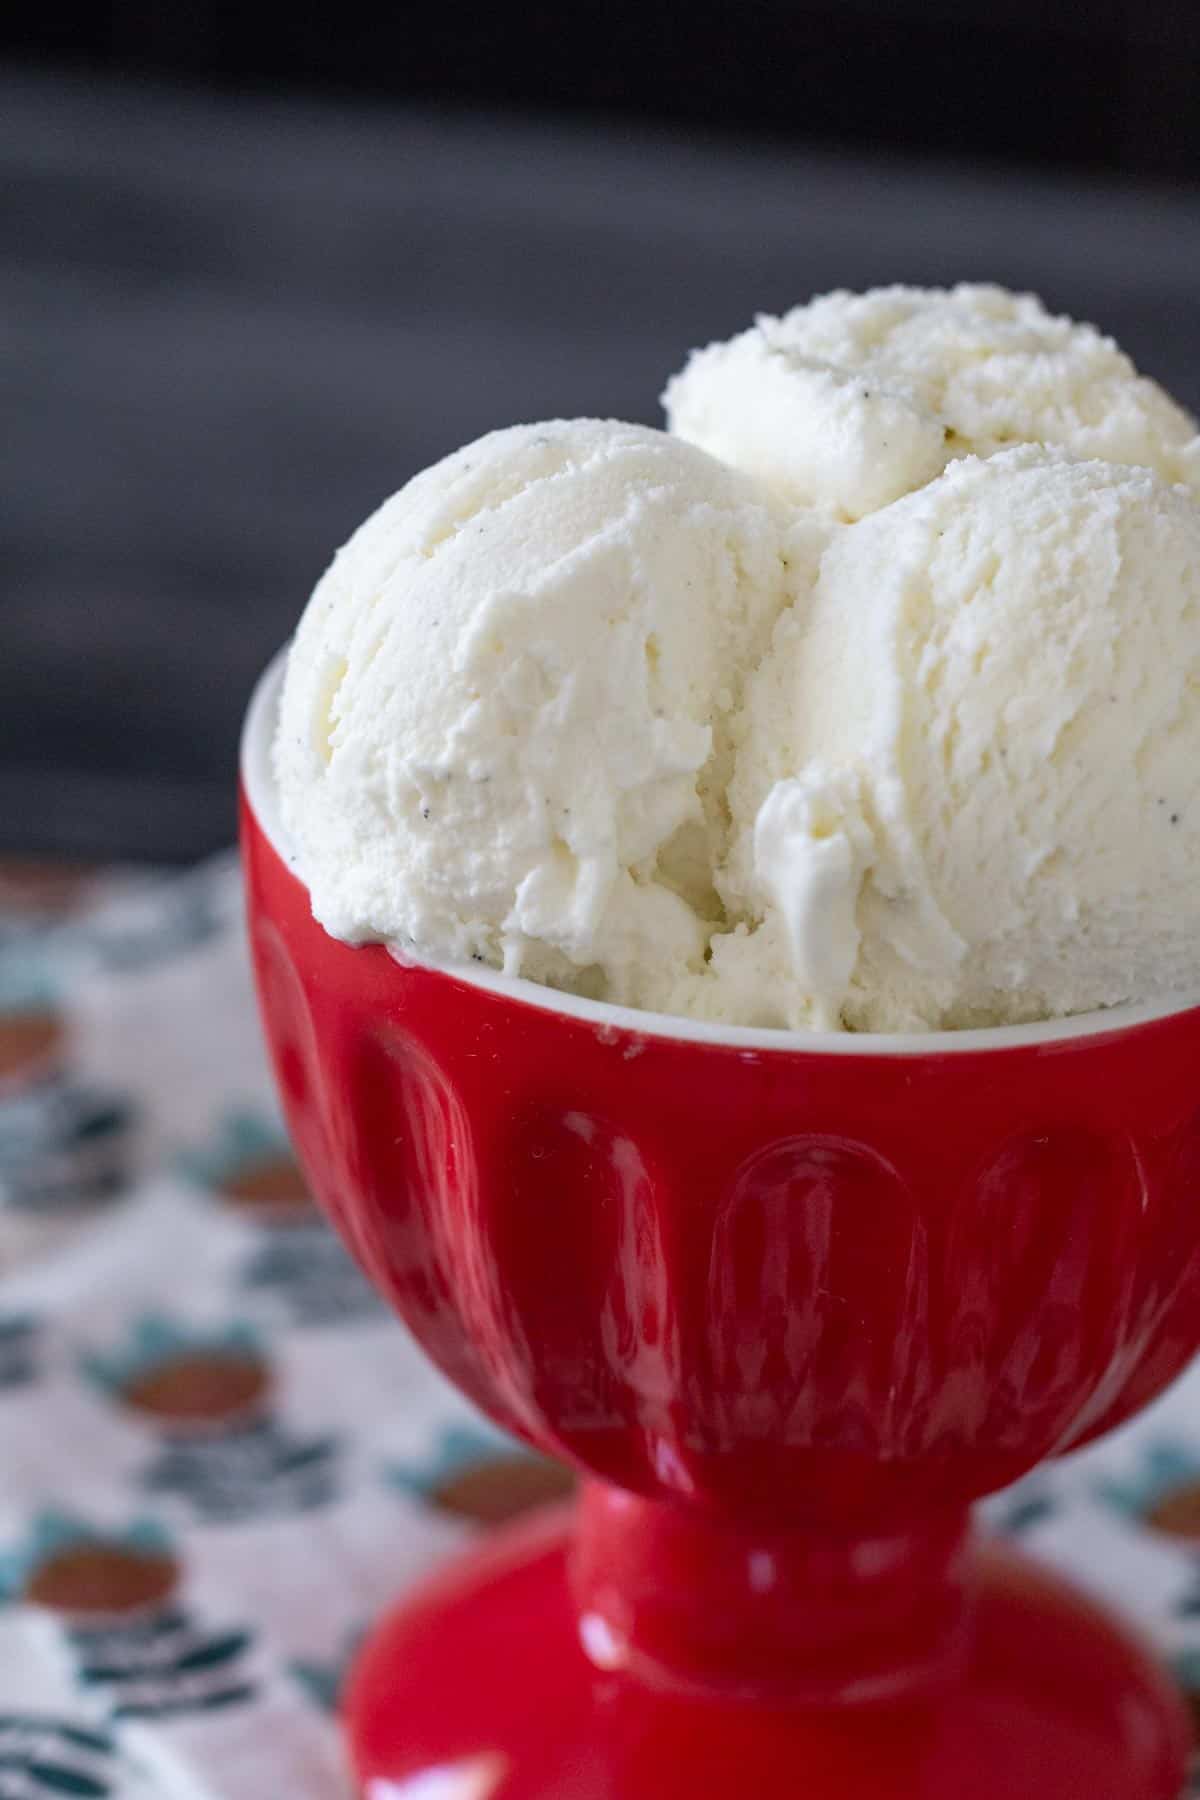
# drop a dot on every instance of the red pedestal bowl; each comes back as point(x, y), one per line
point(790, 1304)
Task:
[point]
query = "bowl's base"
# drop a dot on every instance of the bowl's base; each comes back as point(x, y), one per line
point(477, 1689)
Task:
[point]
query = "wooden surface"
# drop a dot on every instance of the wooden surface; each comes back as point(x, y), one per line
point(230, 327)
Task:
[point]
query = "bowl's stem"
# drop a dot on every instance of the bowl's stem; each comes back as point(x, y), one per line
point(683, 1598)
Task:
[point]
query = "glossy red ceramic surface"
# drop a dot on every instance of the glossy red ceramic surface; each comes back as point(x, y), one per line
point(477, 1689)
point(809, 1305)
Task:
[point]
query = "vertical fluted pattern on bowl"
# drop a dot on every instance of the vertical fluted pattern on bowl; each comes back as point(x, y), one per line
point(582, 1255)
point(1049, 1217)
point(809, 1287)
point(1163, 1310)
point(783, 1351)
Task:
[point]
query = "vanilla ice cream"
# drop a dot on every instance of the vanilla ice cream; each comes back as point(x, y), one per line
point(987, 810)
point(505, 725)
point(869, 698)
point(855, 399)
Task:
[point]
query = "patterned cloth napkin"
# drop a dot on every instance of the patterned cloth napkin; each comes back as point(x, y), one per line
point(216, 1449)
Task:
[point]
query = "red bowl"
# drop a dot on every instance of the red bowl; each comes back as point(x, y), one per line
point(814, 1293)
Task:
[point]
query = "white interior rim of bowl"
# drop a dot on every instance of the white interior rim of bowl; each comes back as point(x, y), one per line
point(259, 780)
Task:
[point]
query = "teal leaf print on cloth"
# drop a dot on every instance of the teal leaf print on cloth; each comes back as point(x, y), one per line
point(114, 1597)
point(63, 1143)
point(297, 1272)
point(19, 1342)
point(479, 1473)
point(241, 1140)
point(44, 1757)
point(155, 1341)
point(55, 1534)
point(63, 1146)
point(163, 1666)
point(1027, 1505)
point(206, 1396)
point(323, 1680)
point(256, 1471)
point(172, 915)
point(1165, 1466)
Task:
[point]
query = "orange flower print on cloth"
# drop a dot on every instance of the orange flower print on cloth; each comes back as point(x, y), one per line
point(64, 1144)
point(480, 1475)
point(297, 1271)
point(205, 1398)
point(116, 1598)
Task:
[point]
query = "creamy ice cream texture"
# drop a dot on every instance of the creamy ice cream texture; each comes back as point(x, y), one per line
point(830, 708)
point(506, 725)
point(856, 399)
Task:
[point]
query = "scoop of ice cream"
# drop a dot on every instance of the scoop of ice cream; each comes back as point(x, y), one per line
point(856, 399)
point(505, 730)
point(968, 793)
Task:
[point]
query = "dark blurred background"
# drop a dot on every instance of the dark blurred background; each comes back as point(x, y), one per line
point(258, 267)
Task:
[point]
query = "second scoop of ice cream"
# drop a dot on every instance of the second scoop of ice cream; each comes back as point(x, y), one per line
point(987, 811)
